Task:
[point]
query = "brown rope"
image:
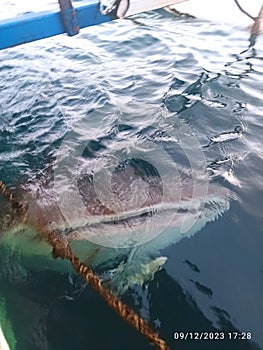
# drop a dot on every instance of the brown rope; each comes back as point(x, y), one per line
point(61, 249)
point(20, 208)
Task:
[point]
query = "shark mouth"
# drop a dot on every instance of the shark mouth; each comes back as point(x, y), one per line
point(137, 227)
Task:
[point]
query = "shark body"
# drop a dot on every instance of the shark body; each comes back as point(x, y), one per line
point(133, 234)
point(141, 227)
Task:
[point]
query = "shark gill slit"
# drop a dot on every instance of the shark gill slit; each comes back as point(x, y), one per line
point(61, 249)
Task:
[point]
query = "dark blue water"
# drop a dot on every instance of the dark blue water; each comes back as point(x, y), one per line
point(151, 70)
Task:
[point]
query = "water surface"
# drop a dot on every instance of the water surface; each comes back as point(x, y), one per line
point(138, 72)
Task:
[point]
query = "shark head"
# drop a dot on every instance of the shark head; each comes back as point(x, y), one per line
point(120, 227)
point(106, 211)
point(136, 206)
point(150, 212)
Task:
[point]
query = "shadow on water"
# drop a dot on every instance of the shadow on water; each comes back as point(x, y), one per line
point(185, 316)
point(44, 318)
point(48, 319)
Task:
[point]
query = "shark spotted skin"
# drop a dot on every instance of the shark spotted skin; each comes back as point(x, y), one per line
point(162, 218)
point(167, 216)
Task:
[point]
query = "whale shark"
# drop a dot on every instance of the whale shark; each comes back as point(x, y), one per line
point(125, 243)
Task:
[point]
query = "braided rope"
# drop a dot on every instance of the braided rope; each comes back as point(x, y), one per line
point(61, 249)
point(20, 208)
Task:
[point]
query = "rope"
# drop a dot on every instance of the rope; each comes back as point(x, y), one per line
point(244, 11)
point(20, 208)
point(61, 249)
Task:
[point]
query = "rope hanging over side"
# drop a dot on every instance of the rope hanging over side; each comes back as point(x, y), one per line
point(20, 208)
point(242, 10)
point(61, 249)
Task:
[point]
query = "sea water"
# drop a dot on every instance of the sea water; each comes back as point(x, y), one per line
point(136, 72)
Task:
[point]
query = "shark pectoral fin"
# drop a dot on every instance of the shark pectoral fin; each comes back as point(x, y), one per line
point(147, 271)
point(129, 278)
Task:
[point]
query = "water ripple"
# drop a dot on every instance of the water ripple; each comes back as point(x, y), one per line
point(146, 70)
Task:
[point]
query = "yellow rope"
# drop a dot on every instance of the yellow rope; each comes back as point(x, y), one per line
point(61, 249)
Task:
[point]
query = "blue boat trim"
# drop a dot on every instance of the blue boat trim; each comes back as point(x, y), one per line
point(34, 26)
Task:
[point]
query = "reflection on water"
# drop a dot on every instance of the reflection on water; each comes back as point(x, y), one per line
point(122, 78)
